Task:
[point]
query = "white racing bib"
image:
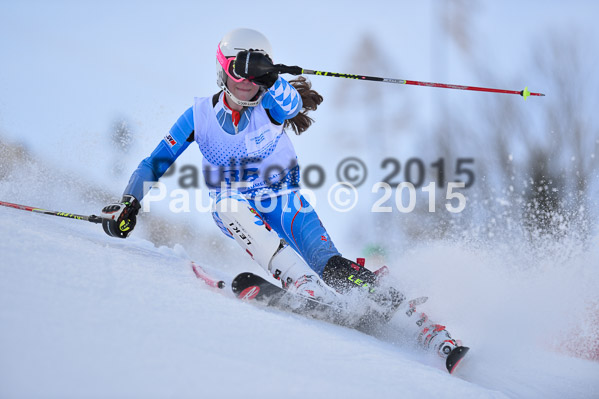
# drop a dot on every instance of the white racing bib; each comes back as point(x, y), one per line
point(257, 160)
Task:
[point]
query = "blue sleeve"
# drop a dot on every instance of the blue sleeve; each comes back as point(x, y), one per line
point(282, 101)
point(163, 156)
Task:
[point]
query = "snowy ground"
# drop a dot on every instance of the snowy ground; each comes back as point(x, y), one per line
point(83, 315)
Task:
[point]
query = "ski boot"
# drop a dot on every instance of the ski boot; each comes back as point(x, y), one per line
point(297, 278)
point(436, 338)
point(348, 277)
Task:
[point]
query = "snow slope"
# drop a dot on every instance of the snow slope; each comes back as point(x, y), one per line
point(83, 315)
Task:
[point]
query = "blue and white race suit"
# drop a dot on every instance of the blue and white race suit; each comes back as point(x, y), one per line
point(254, 156)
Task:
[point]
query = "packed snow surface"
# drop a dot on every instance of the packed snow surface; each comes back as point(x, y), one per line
point(83, 315)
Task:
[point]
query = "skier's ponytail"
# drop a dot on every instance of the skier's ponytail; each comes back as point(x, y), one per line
point(310, 98)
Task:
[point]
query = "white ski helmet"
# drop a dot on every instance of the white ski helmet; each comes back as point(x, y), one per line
point(232, 43)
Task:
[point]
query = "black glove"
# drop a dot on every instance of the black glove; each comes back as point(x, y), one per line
point(256, 67)
point(120, 218)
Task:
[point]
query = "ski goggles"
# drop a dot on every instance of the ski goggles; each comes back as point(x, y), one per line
point(228, 65)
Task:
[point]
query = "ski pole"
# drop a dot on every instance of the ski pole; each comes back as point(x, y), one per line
point(295, 70)
point(90, 218)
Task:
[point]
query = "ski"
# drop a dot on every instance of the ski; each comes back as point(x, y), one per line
point(202, 275)
point(251, 287)
point(368, 318)
point(455, 357)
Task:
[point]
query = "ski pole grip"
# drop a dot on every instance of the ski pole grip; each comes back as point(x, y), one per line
point(94, 219)
point(292, 70)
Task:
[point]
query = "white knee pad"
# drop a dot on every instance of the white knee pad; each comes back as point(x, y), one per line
point(255, 236)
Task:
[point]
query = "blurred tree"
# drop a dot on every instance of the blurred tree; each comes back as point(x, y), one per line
point(11, 156)
point(373, 117)
point(387, 111)
point(542, 160)
point(563, 161)
point(536, 162)
point(120, 140)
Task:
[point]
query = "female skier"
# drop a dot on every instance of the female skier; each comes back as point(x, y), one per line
point(251, 168)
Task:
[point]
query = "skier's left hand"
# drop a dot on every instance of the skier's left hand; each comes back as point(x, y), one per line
point(120, 218)
point(256, 67)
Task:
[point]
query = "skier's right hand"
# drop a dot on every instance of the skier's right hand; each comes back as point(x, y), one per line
point(257, 67)
point(120, 218)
